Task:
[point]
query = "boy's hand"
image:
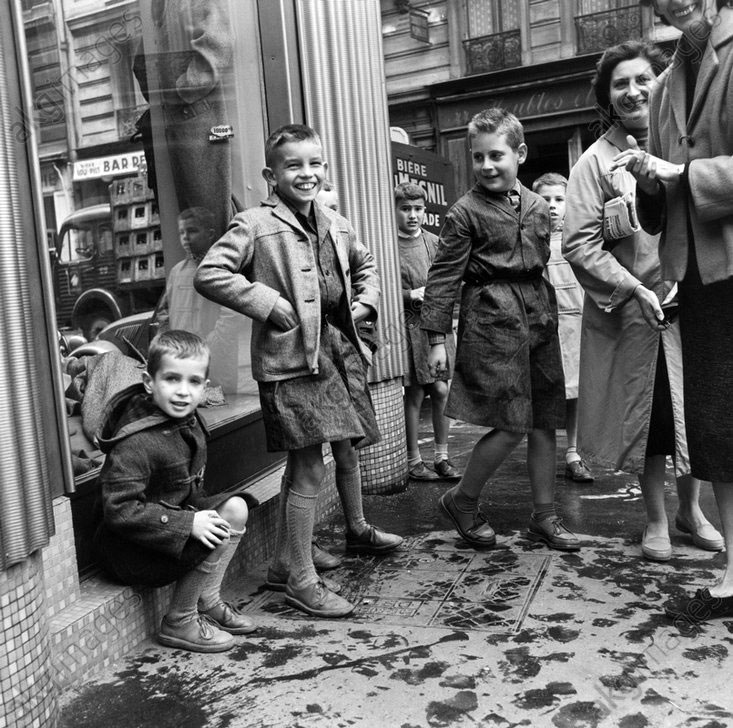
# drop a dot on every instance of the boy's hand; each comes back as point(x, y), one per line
point(418, 294)
point(360, 312)
point(437, 360)
point(283, 315)
point(209, 528)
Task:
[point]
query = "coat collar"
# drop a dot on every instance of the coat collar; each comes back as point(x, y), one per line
point(500, 202)
point(616, 135)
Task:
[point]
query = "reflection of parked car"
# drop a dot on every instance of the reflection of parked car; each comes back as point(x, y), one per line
point(132, 334)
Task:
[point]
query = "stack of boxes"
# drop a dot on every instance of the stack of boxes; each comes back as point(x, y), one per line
point(136, 223)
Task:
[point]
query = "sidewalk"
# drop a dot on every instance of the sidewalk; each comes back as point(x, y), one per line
point(444, 635)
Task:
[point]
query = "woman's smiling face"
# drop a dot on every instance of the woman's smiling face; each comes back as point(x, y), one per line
point(686, 15)
point(630, 86)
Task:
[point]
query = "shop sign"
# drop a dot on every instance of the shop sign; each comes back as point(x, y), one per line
point(113, 166)
point(431, 172)
point(419, 29)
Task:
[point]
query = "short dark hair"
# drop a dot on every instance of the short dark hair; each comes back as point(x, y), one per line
point(202, 215)
point(496, 120)
point(179, 344)
point(614, 55)
point(409, 191)
point(548, 180)
point(288, 133)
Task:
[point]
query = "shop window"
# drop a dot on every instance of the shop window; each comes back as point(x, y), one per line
point(493, 35)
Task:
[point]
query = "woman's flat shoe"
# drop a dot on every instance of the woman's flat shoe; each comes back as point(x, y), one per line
point(656, 548)
point(705, 537)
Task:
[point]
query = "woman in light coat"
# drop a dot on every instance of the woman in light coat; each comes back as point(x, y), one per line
point(630, 390)
point(685, 185)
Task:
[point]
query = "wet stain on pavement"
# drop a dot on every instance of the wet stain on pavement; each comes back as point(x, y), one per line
point(563, 634)
point(583, 714)
point(637, 720)
point(546, 697)
point(448, 712)
point(419, 676)
point(706, 652)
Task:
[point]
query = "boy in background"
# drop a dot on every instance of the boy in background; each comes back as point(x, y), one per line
point(551, 187)
point(157, 525)
point(508, 372)
point(417, 249)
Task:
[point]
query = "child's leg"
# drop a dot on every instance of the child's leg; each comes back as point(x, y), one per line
point(414, 396)
point(544, 523)
point(441, 427)
point(282, 549)
point(360, 536)
point(460, 503)
point(227, 617)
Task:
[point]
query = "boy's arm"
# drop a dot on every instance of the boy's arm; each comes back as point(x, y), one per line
point(365, 285)
point(128, 512)
point(220, 276)
point(446, 274)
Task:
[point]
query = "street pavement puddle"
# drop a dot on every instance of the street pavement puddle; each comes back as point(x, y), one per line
point(431, 582)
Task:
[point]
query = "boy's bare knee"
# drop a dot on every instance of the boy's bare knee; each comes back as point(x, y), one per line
point(439, 391)
point(235, 512)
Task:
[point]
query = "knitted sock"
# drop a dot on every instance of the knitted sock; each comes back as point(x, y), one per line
point(184, 602)
point(441, 452)
point(348, 484)
point(300, 519)
point(210, 591)
point(543, 510)
point(413, 457)
point(571, 455)
point(280, 557)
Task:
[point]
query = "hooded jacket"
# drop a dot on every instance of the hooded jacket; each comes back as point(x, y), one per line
point(151, 483)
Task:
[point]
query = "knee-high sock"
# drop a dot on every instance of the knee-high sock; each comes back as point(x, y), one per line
point(210, 591)
point(348, 485)
point(184, 601)
point(300, 518)
point(282, 553)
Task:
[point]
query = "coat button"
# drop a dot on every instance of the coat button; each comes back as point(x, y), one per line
point(164, 519)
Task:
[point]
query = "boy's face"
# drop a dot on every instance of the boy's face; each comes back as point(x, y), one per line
point(195, 239)
point(410, 215)
point(297, 172)
point(554, 196)
point(178, 386)
point(495, 163)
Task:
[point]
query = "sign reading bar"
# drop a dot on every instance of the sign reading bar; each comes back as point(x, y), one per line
point(113, 166)
point(431, 172)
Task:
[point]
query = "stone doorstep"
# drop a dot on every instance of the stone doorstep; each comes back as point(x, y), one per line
point(107, 621)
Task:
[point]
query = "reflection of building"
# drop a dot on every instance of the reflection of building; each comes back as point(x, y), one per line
point(534, 57)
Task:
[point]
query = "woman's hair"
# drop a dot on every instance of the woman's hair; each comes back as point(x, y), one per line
point(179, 344)
point(614, 55)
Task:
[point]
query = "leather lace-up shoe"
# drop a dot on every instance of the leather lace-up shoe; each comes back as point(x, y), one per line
point(420, 471)
point(446, 470)
point(552, 532)
point(277, 580)
point(372, 540)
point(318, 601)
point(324, 560)
point(690, 611)
point(227, 617)
point(578, 472)
point(704, 537)
point(196, 635)
point(474, 528)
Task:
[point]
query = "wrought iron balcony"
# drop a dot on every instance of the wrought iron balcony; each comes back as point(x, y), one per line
point(493, 52)
point(598, 31)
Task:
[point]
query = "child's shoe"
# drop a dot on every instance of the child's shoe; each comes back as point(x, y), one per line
point(277, 581)
point(446, 470)
point(230, 619)
point(197, 635)
point(552, 532)
point(420, 471)
point(372, 540)
point(473, 528)
point(324, 560)
point(578, 472)
point(318, 601)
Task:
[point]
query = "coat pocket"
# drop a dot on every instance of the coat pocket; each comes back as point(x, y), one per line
point(283, 352)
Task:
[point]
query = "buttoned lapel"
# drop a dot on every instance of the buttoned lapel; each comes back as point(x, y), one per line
point(708, 71)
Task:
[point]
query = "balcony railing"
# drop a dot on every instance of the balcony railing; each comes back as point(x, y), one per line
point(598, 31)
point(493, 52)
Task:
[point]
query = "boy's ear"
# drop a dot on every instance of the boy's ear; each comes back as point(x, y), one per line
point(522, 153)
point(269, 176)
point(147, 382)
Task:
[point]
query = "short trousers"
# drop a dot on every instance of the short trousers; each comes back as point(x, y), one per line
point(508, 371)
point(330, 406)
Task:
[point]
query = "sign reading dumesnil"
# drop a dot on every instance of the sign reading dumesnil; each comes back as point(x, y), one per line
point(431, 172)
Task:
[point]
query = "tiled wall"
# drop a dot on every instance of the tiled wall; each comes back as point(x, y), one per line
point(26, 678)
point(59, 561)
point(384, 465)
